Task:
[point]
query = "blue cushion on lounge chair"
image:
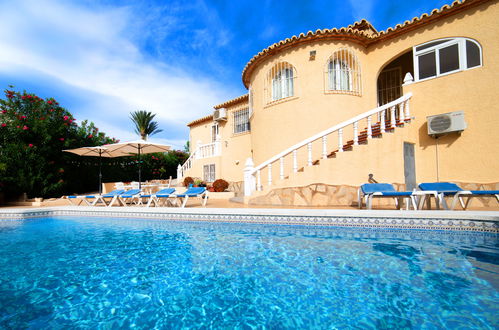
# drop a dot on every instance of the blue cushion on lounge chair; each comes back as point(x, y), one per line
point(192, 192)
point(447, 188)
point(130, 193)
point(370, 188)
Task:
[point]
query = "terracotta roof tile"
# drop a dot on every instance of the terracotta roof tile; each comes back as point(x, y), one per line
point(232, 102)
point(200, 120)
point(361, 32)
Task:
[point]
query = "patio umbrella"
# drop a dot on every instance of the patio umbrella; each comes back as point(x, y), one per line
point(135, 147)
point(96, 152)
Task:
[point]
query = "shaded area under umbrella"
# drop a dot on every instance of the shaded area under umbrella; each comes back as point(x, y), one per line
point(137, 147)
point(96, 152)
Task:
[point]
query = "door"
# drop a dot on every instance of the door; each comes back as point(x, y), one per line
point(409, 166)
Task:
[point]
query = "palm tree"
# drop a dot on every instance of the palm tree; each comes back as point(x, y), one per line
point(144, 124)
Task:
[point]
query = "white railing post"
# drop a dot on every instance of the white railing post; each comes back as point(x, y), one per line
point(258, 180)
point(309, 158)
point(295, 161)
point(218, 146)
point(401, 112)
point(249, 178)
point(369, 128)
point(269, 168)
point(324, 147)
point(198, 150)
point(340, 140)
point(392, 115)
point(179, 172)
point(356, 133)
point(382, 122)
point(281, 170)
point(380, 112)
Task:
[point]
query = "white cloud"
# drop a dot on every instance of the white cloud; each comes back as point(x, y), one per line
point(362, 9)
point(91, 49)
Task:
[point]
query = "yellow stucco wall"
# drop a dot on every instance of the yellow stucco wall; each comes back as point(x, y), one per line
point(235, 148)
point(472, 156)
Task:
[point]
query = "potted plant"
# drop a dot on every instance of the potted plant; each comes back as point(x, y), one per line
point(220, 185)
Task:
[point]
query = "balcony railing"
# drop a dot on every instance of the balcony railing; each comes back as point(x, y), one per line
point(202, 151)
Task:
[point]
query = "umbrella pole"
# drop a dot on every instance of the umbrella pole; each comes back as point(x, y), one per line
point(140, 181)
point(100, 172)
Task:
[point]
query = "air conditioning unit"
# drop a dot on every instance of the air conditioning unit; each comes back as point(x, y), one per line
point(446, 123)
point(220, 114)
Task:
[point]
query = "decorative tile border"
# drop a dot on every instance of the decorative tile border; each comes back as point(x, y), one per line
point(349, 218)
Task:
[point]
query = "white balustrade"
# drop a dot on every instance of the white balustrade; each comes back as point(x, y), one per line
point(340, 140)
point(404, 114)
point(324, 147)
point(369, 128)
point(392, 116)
point(269, 169)
point(356, 133)
point(382, 122)
point(309, 160)
point(281, 169)
point(295, 161)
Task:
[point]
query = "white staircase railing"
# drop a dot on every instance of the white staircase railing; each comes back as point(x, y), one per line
point(202, 151)
point(397, 111)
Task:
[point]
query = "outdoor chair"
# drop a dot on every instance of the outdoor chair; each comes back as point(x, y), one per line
point(130, 196)
point(368, 191)
point(93, 200)
point(445, 189)
point(164, 194)
point(199, 192)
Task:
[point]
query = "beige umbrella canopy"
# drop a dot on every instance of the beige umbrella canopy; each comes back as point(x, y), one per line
point(135, 147)
point(97, 152)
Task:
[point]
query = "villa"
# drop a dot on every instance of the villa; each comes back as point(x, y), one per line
point(330, 109)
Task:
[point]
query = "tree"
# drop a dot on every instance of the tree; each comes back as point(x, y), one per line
point(33, 133)
point(144, 124)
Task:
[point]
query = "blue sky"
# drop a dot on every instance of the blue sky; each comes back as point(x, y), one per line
point(102, 59)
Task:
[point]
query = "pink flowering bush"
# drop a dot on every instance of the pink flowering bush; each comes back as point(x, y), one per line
point(33, 133)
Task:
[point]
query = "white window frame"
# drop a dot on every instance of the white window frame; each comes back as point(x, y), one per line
point(463, 61)
point(214, 132)
point(280, 83)
point(343, 73)
point(209, 173)
point(241, 118)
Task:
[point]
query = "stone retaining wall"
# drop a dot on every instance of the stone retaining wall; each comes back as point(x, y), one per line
point(320, 194)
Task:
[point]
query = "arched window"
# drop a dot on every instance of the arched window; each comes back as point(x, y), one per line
point(281, 81)
point(445, 56)
point(343, 72)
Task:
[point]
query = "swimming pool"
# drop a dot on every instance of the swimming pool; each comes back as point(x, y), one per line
point(74, 272)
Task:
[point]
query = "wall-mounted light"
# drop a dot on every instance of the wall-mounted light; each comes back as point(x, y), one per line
point(312, 55)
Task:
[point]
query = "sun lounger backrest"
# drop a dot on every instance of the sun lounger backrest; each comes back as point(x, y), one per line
point(166, 191)
point(439, 186)
point(369, 188)
point(113, 193)
point(130, 193)
point(195, 191)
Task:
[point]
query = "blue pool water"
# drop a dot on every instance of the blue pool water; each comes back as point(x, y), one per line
point(114, 273)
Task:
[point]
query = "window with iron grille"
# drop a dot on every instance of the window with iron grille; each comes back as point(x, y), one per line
point(445, 56)
point(241, 121)
point(209, 172)
point(280, 82)
point(343, 72)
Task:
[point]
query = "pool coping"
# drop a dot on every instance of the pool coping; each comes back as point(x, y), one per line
point(478, 221)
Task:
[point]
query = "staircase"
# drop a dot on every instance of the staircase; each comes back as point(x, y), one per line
point(312, 151)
